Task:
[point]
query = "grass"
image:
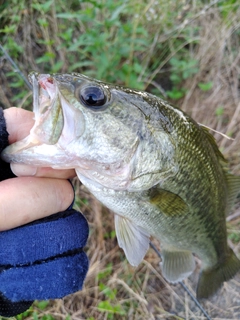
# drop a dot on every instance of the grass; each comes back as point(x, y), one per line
point(185, 51)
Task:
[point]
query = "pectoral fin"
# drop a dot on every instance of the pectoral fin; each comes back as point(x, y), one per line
point(168, 203)
point(177, 265)
point(132, 239)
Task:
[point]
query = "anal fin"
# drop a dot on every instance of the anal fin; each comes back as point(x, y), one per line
point(133, 239)
point(177, 265)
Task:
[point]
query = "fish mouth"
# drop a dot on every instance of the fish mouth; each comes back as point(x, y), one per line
point(48, 117)
point(44, 92)
point(47, 109)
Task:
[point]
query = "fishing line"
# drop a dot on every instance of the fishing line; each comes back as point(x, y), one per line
point(16, 69)
point(184, 287)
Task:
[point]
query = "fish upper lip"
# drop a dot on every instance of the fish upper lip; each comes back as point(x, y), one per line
point(46, 108)
point(44, 94)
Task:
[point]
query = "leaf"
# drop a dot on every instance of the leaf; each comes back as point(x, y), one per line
point(42, 7)
point(43, 22)
point(46, 57)
point(175, 93)
point(46, 5)
point(43, 304)
point(105, 272)
point(205, 86)
point(81, 41)
point(16, 84)
point(68, 15)
point(175, 78)
point(57, 66)
point(174, 62)
point(105, 306)
point(117, 12)
point(219, 111)
point(8, 29)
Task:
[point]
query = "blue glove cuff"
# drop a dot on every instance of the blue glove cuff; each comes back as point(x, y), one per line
point(47, 266)
point(43, 240)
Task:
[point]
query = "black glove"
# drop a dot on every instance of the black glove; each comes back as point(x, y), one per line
point(43, 259)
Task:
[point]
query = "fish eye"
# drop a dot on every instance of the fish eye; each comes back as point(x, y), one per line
point(92, 97)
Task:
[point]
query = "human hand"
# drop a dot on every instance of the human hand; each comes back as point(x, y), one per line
point(38, 191)
point(43, 259)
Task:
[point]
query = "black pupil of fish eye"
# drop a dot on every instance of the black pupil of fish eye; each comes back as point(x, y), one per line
point(93, 96)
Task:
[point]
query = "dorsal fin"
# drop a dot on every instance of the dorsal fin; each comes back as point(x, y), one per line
point(214, 145)
point(233, 183)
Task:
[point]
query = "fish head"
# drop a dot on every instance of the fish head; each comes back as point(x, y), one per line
point(101, 130)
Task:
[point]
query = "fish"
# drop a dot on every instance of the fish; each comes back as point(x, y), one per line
point(157, 169)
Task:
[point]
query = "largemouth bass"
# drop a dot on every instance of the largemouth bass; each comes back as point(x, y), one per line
point(158, 170)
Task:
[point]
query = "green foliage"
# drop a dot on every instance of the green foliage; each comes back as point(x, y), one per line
point(227, 7)
point(219, 111)
point(25, 314)
point(110, 235)
point(111, 309)
point(234, 232)
point(79, 202)
point(42, 304)
point(17, 83)
point(31, 313)
point(205, 86)
point(116, 41)
point(106, 272)
point(180, 70)
point(109, 304)
point(123, 42)
point(234, 237)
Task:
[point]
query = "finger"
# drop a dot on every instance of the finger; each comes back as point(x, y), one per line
point(26, 199)
point(19, 122)
point(25, 170)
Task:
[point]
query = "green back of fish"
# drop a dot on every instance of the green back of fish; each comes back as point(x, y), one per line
point(204, 184)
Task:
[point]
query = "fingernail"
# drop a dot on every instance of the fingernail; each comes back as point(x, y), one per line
point(23, 169)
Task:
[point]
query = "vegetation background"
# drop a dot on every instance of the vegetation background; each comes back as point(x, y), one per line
point(185, 51)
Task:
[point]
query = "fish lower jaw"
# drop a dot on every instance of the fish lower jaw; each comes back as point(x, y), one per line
point(39, 155)
point(96, 182)
point(15, 152)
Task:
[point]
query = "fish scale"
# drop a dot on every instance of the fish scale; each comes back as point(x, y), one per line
point(208, 198)
point(150, 163)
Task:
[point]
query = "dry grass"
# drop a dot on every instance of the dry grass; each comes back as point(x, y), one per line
point(219, 63)
point(141, 293)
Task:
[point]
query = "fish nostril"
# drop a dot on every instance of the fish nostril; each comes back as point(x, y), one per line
point(50, 80)
point(47, 86)
point(43, 83)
